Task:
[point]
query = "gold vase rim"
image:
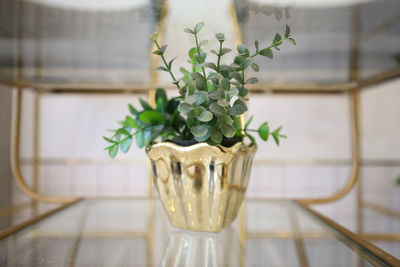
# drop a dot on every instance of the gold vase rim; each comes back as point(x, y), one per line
point(202, 144)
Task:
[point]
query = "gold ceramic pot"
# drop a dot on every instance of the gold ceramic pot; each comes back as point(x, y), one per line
point(201, 186)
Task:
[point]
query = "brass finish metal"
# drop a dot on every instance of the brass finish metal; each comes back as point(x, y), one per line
point(14, 229)
point(380, 78)
point(381, 209)
point(382, 237)
point(298, 240)
point(15, 163)
point(354, 101)
point(201, 186)
point(355, 238)
point(13, 209)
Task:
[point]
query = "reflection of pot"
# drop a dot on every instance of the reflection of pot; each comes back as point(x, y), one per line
point(199, 249)
point(201, 186)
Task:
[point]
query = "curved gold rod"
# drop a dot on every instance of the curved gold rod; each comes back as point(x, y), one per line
point(354, 103)
point(15, 166)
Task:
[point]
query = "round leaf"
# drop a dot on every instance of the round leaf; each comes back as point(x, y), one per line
point(184, 108)
point(228, 130)
point(201, 97)
point(223, 103)
point(190, 99)
point(263, 131)
point(205, 116)
point(215, 135)
point(217, 110)
point(199, 130)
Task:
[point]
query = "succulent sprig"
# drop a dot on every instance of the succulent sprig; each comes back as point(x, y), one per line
point(212, 98)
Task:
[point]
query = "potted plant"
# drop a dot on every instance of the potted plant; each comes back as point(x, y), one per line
point(200, 161)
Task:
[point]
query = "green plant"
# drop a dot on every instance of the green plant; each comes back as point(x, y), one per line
point(209, 105)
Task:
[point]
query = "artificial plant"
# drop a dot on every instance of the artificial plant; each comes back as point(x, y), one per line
point(212, 98)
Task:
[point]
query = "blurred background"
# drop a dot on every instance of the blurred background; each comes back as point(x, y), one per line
point(68, 69)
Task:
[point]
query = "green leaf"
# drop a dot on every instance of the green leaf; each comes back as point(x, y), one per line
point(190, 84)
point(243, 91)
point(199, 130)
point(113, 151)
point(276, 138)
point(147, 137)
point(132, 110)
point(247, 62)
point(201, 97)
point(277, 39)
point(216, 94)
point(188, 30)
point(215, 135)
point(203, 137)
point(263, 131)
point(234, 91)
point(160, 93)
point(203, 42)
point(236, 76)
point(154, 36)
point(228, 130)
point(205, 116)
point(217, 110)
point(170, 62)
point(184, 108)
point(198, 27)
point(161, 68)
point(160, 106)
point(158, 53)
point(211, 66)
point(293, 41)
point(126, 144)
point(225, 84)
point(242, 50)
point(287, 31)
point(228, 120)
point(110, 140)
point(220, 37)
point(255, 67)
point(196, 75)
point(145, 105)
point(200, 84)
point(252, 139)
point(184, 71)
point(237, 109)
point(256, 44)
point(222, 102)
point(130, 122)
point(252, 80)
point(139, 139)
point(214, 52)
point(248, 123)
point(225, 51)
point(266, 52)
point(151, 116)
point(191, 99)
point(238, 60)
point(123, 131)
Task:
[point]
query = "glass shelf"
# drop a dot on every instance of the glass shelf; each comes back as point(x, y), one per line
point(136, 232)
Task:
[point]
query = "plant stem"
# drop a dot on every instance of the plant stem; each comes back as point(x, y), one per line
point(219, 55)
point(198, 53)
point(271, 46)
point(166, 65)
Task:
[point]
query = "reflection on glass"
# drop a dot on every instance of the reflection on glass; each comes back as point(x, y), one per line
point(187, 248)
